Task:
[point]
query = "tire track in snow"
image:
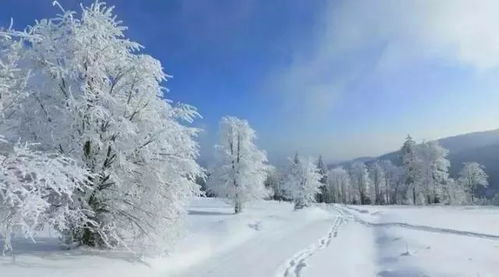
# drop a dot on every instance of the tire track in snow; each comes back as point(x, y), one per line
point(296, 264)
point(424, 228)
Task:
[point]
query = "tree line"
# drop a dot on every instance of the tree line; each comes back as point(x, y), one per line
point(242, 173)
point(422, 178)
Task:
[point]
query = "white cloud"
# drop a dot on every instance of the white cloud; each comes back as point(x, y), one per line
point(375, 42)
point(460, 33)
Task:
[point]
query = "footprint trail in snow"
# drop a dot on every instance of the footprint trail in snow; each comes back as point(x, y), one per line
point(296, 264)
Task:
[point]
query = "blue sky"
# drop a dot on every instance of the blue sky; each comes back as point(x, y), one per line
point(338, 78)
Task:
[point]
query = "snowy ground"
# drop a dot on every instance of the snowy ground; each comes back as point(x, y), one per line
point(270, 239)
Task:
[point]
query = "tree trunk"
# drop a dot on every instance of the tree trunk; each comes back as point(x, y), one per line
point(472, 195)
point(238, 207)
point(414, 195)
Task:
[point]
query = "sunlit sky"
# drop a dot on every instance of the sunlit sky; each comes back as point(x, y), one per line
point(339, 78)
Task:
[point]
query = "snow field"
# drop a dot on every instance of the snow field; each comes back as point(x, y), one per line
point(269, 238)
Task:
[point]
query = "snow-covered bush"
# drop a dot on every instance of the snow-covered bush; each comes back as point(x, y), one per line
point(95, 98)
point(241, 168)
point(302, 181)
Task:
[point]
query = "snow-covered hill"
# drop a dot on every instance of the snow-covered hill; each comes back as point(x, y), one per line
point(270, 239)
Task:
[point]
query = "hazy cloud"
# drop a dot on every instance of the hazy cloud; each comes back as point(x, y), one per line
point(357, 38)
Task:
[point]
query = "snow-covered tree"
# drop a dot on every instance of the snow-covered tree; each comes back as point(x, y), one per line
point(455, 193)
point(302, 181)
point(472, 177)
point(434, 172)
point(361, 182)
point(321, 166)
point(241, 168)
point(377, 175)
point(393, 182)
point(338, 189)
point(273, 182)
point(410, 169)
point(426, 172)
point(95, 98)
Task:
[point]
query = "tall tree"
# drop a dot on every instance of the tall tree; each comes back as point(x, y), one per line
point(274, 183)
point(94, 97)
point(302, 181)
point(361, 181)
point(472, 177)
point(410, 168)
point(377, 175)
point(338, 187)
point(392, 175)
point(434, 171)
point(241, 168)
point(321, 166)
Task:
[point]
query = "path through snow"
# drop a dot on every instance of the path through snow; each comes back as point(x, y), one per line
point(296, 264)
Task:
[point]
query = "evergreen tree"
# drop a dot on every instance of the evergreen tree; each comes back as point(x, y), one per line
point(410, 169)
point(322, 195)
